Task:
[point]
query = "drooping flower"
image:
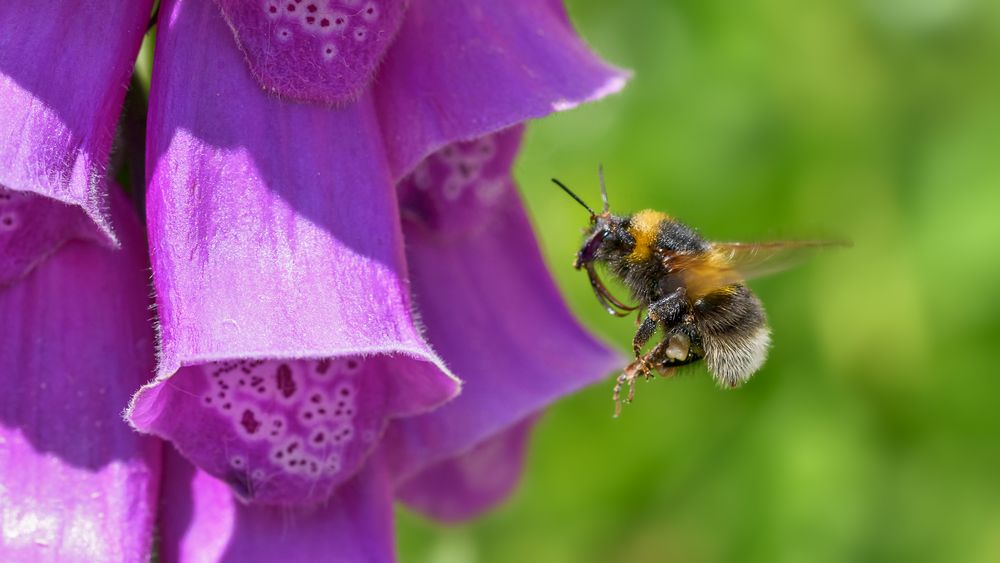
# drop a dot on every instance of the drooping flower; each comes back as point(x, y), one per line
point(292, 147)
point(76, 484)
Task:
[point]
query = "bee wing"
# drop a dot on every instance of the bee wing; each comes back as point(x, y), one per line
point(756, 259)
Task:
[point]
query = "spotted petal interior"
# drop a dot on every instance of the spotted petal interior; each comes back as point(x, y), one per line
point(285, 431)
point(314, 50)
point(455, 189)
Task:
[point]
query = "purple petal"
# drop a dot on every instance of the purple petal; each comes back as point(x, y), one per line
point(276, 251)
point(456, 74)
point(76, 483)
point(32, 227)
point(201, 521)
point(461, 487)
point(64, 67)
point(488, 304)
point(318, 50)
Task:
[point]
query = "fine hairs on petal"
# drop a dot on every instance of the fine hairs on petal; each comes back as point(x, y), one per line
point(63, 66)
point(320, 51)
point(441, 82)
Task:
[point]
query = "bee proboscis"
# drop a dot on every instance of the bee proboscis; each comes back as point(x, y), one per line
point(692, 289)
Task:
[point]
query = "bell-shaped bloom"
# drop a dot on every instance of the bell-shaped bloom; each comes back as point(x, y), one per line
point(352, 306)
point(64, 67)
point(287, 338)
point(492, 311)
point(76, 484)
point(200, 520)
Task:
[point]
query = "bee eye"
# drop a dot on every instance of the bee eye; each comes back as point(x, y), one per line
point(589, 249)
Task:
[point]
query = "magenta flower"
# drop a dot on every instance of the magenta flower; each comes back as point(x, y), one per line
point(311, 367)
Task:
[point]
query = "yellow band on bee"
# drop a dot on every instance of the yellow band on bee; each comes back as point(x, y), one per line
point(643, 227)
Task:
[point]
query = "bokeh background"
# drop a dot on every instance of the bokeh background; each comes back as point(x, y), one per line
point(872, 433)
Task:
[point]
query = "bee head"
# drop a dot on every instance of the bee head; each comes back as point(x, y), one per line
point(605, 228)
point(606, 239)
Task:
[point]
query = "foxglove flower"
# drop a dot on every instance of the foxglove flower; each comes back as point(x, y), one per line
point(76, 484)
point(310, 362)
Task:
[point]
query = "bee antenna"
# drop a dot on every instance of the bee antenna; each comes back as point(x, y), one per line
point(604, 189)
point(574, 196)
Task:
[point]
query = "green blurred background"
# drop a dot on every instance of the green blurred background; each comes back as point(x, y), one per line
point(872, 432)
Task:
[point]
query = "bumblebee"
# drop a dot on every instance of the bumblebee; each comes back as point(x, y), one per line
point(692, 289)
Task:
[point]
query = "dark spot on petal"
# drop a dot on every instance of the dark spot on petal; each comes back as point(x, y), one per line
point(285, 381)
point(249, 422)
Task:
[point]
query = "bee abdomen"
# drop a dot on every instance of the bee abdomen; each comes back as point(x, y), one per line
point(734, 332)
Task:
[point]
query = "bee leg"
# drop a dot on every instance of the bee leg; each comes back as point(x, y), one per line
point(616, 395)
point(628, 377)
point(638, 316)
point(645, 332)
point(667, 311)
